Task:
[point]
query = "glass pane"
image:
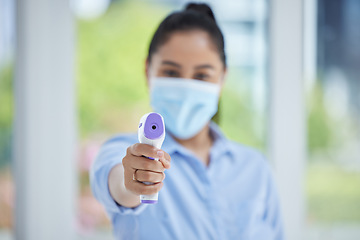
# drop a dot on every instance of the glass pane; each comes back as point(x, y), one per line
point(333, 180)
point(6, 117)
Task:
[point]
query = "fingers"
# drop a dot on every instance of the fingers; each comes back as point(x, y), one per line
point(146, 170)
point(147, 176)
point(143, 163)
point(140, 188)
point(140, 150)
point(165, 159)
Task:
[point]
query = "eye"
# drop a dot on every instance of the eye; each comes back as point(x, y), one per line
point(201, 76)
point(171, 73)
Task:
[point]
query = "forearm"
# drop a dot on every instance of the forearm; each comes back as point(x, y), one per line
point(117, 188)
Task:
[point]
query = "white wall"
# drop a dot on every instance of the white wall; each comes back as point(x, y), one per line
point(287, 131)
point(45, 130)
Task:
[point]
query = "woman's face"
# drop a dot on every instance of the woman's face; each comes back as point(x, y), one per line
point(187, 54)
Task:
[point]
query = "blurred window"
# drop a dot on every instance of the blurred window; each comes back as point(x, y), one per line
point(333, 179)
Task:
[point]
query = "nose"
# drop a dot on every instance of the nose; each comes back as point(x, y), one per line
point(188, 73)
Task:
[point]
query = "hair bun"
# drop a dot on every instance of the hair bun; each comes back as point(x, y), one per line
point(201, 8)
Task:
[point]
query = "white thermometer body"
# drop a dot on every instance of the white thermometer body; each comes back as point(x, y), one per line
point(151, 131)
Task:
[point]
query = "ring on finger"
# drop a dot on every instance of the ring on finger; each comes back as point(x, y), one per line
point(134, 177)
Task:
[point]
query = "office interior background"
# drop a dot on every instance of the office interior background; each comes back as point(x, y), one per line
point(104, 92)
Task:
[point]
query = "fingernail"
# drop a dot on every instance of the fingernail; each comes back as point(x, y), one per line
point(160, 153)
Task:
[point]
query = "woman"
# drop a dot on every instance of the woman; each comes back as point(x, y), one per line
point(216, 188)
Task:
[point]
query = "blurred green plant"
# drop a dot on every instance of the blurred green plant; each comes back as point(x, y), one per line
point(237, 119)
point(112, 92)
point(6, 114)
point(320, 132)
point(333, 194)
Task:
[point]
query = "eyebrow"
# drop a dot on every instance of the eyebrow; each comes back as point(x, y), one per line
point(204, 66)
point(174, 64)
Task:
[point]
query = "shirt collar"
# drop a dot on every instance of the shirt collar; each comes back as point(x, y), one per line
point(220, 146)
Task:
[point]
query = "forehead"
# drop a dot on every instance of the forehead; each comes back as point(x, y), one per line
point(188, 46)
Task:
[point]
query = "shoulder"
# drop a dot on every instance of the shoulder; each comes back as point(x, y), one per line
point(244, 151)
point(248, 156)
point(243, 156)
point(255, 167)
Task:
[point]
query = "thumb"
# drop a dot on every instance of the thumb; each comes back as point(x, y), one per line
point(164, 159)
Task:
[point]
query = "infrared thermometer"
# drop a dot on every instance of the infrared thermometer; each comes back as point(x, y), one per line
point(151, 131)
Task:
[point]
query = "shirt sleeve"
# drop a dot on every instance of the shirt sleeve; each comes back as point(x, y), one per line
point(110, 154)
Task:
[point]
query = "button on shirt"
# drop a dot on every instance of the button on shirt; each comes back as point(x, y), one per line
point(234, 197)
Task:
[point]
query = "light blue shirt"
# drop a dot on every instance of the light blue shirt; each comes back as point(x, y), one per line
point(234, 197)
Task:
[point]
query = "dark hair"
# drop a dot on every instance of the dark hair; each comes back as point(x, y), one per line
point(194, 16)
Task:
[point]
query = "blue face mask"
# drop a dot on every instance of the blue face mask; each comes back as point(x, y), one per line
point(186, 105)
